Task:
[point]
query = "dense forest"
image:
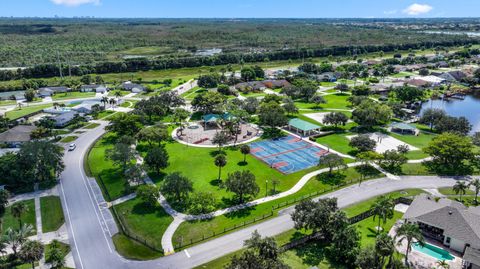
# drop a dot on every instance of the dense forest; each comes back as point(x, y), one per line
point(30, 42)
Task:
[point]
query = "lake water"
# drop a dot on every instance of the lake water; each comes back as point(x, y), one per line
point(468, 108)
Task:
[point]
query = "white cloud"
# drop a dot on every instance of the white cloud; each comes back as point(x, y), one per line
point(74, 3)
point(417, 9)
point(390, 12)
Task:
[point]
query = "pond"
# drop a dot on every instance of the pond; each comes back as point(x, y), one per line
point(468, 108)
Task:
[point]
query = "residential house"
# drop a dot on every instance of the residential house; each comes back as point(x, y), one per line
point(327, 77)
point(49, 91)
point(85, 107)
point(17, 135)
point(433, 80)
point(133, 87)
point(448, 222)
point(94, 88)
point(419, 83)
point(453, 76)
point(64, 119)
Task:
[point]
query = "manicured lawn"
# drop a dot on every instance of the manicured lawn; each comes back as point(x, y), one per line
point(72, 95)
point(365, 205)
point(7, 102)
point(111, 175)
point(27, 218)
point(133, 250)
point(68, 139)
point(198, 165)
point(450, 191)
point(25, 110)
point(327, 84)
point(116, 92)
point(92, 126)
point(104, 114)
point(144, 221)
point(337, 142)
point(415, 169)
point(419, 141)
point(196, 229)
point(367, 228)
point(337, 101)
point(416, 155)
point(52, 213)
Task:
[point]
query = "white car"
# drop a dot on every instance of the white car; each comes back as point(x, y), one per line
point(72, 147)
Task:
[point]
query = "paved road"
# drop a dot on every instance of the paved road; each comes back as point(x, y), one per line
point(91, 241)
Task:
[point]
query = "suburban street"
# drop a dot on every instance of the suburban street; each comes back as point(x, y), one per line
point(90, 228)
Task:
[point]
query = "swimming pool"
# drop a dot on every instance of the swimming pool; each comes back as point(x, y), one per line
point(433, 251)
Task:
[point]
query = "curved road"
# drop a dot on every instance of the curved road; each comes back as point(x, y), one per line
point(90, 237)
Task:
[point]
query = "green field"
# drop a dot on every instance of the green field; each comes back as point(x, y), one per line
point(68, 139)
point(111, 175)
point(144, 221)
point(25, 110)
point(336, 101)
point(337, 142)
point(92, 126)
point(27, 218)
point(52, 213)
point(133, 250)
point(72, 95)
point(196, 229)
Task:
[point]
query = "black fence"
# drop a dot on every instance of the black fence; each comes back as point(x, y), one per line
point(191, 241)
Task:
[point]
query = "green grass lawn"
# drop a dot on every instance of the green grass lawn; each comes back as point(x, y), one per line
point(29, 217)
point(133, 250)
point(367, 228)
point(25, 110)
point(72, 95)
point(196, 229)
point(92, 126)
point(419, 141)
point(68, 139)
point(312, 254)
point(415, 169)
point(146, 222)
point(327, 84)
point(7, 102)
point(338, 142)
point(104, 114)
point(121, 92)
point(52, 213)
point(111, 175)
point(198, 165)
point(450, 191)
point(336, 101)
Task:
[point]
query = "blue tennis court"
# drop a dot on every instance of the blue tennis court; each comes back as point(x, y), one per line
point(288, 154)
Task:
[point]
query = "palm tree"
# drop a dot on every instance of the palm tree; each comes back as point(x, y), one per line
point(104, 100)
point(220, 161)
point(31, 252)
point(118, 94)
point(55, 256)
point(245, 149)
point(383, 208)
point(476, 185)
point(460, 188)
point(112, 102)
point(384, 247)
point(411, 233)
point(18, 210)
point(443, 264)
point(11, 237)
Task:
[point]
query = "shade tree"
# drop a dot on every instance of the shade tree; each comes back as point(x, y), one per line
point(242, 183)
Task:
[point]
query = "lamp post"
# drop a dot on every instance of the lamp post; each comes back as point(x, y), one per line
point(266, 187)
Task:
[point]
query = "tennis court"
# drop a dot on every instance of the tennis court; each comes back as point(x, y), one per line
point(288, 154)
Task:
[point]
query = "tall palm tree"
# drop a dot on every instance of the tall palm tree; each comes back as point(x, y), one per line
point(461, 188)
point(104, 100)
point(411, 233)
point(18, 210)
point(383, 209)
point(384, 247)
point(220, 161)
point(118, 94)
point(31, 252)
point(476, 185)
point(11, 237)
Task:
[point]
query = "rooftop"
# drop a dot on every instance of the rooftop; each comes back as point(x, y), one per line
point(20, 133)
point(303, 125)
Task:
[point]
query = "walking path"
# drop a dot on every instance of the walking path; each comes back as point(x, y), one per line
point(32, 195)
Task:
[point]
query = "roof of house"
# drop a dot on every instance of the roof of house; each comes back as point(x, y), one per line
point(19, 133)
point(418, 82)
point(303, 125)
point(402, 126)
point(92, 86)
point(215, 117)
point(457, 220)
point(472, 256)
point(129, 86)
point(55, 89)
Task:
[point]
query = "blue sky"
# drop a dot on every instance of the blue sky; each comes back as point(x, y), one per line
point(240, 8)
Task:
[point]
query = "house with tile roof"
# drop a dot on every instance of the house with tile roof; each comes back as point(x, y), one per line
point(449, 222)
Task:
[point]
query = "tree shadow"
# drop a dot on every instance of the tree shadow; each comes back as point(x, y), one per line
point(333, 179)
point(241, 213)
point(242, 163)
point(216, 182)
point(272, 133)
point(443, 170)
point(312, 253)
